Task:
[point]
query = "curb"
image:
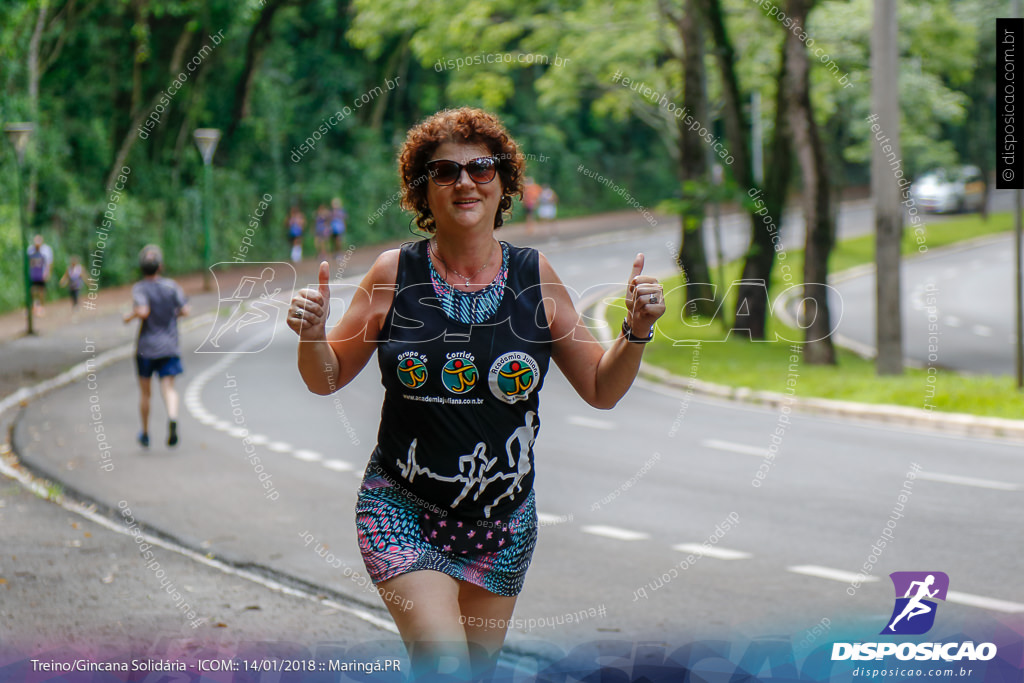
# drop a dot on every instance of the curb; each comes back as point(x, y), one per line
point(957, 424)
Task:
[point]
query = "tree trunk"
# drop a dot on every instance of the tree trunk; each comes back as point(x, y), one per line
point(752, 292)
point(33, 105)
point(259, 38)
point(819, 232)
point(132, 134)
point(693, 170)
point(884, 189)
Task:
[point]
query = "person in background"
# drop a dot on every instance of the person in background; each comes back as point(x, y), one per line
point(338, 218)
point(547, 204)
point(296, 226)
point(40, 262)
point(322, 231)
point(73, 279)
point(531, 193)
point(158, 302)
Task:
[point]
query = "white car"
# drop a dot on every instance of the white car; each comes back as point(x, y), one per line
point(946, 190)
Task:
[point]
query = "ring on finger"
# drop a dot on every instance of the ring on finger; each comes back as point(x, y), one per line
point(654, 298)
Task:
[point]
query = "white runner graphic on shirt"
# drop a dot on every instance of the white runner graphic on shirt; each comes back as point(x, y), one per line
point(474, 467)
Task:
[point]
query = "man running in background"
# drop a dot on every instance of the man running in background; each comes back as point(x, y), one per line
point(158, 302)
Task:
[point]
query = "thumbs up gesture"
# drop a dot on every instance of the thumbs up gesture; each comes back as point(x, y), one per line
point(309, 308)
point(645, 300)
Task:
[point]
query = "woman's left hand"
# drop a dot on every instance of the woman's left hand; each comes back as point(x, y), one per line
point(645, 300)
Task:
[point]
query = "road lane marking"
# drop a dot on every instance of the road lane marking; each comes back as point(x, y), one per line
point(591, 422)
point(337, 465)
point(548, 519)
point(711, 551)
point(279, 447)
point(967, 481)
point(616, 533)
point(982, 330)
point(308, 456)
point(831, 574)
point(983, 602)
point(258, 439)
point(734, 447)
point(951, 321)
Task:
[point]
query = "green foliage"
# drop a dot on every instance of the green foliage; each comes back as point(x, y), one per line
point(545, 66)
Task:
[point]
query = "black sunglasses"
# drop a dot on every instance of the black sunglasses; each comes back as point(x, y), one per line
point(445, 172)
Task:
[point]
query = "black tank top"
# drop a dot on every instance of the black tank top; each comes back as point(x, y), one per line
point(460, 407)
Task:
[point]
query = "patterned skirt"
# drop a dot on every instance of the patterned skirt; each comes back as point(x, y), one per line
point(393, 542)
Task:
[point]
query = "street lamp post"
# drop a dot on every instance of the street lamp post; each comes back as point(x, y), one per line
point(18, 134)
point(206, 140)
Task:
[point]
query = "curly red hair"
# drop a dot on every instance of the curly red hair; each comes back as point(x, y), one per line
point(463, 125)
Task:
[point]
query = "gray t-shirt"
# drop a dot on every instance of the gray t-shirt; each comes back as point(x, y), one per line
point(158, 334)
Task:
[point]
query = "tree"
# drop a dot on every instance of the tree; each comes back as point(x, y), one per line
point(634, 45)
point(692, 259)
point(752, 293)
point(819, 231)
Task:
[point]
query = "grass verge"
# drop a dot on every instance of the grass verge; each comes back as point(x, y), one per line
point(765, 366)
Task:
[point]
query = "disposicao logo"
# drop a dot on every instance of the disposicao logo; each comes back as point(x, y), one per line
point(912, 615)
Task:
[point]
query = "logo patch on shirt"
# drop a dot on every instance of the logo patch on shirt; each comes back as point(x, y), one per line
point(513, 377)
point(460, 373)
point(412, 369)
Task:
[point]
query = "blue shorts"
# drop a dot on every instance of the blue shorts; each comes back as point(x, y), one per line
point(164, 367)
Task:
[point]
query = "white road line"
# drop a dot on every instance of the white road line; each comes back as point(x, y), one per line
point(982, 330)
point(258, 439)
point(279, 447)
point(337, 465)
point(591, 422)
point(984, 603)
point(951, 321)
point(734, 447)
point(550, 519)
point(831, 574)
point(968, 481)
point(308, 456)
point(238, 432)
point(711, 551)
point(616, 533)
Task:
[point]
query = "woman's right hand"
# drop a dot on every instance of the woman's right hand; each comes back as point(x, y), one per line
point(308, 311)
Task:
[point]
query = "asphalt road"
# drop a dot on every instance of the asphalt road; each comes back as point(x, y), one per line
point(957, 306)
point(621, 492)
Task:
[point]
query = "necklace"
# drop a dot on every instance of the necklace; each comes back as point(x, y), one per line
point(449, 268)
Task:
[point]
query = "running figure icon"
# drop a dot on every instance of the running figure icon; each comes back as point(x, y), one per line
point(915, 606)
